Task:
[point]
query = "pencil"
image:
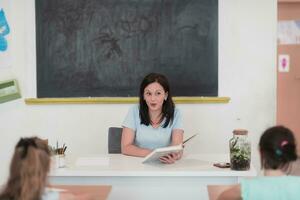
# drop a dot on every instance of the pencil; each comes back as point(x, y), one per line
point(189, 138)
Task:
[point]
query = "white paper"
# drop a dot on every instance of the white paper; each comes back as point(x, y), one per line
point(288, 32)
point(93, 161)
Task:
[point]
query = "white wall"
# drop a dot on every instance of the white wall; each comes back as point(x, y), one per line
point(247, 74)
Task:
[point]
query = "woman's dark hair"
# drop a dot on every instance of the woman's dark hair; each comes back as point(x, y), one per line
point(168, 105)
point(277, 147)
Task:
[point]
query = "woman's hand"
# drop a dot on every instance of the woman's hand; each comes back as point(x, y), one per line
point(177, 139)
point(171, 158)
point(167, 159)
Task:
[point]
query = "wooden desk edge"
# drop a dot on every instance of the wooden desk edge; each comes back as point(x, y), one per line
point(103, 190)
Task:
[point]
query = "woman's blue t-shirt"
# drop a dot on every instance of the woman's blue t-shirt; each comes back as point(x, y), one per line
point(147, 136)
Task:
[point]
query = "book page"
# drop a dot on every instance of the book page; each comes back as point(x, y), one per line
point(159, 152)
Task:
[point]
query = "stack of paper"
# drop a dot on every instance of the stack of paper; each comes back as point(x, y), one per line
point(93, 161)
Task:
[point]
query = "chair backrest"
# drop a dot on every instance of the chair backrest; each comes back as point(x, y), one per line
point(114, 139)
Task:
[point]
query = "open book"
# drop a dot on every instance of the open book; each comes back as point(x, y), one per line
point(159, 152)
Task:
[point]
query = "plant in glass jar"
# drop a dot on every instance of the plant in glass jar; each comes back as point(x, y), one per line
point(240, 150)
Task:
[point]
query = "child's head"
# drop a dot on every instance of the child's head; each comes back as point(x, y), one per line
point(28, 169)
point(277, 148)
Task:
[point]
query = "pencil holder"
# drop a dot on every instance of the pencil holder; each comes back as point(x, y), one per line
point(59, 161)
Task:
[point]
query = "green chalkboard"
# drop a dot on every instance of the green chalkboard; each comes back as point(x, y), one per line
point(103, 48)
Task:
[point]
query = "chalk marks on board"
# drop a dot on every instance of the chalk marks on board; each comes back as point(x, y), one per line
point(85, 46)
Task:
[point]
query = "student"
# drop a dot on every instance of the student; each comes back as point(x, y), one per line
point(154, 123)
point(28, 173)
point(277, 150)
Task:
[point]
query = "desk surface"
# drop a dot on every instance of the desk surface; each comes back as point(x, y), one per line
point(118, 165)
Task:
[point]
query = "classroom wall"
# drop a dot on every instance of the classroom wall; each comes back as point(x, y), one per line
point(247, 74)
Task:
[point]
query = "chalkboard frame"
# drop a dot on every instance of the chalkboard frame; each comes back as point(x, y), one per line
point(121, 100)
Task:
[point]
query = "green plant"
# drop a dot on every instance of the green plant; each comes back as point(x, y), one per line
point(240, 155)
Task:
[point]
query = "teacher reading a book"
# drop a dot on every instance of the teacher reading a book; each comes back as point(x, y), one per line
point(154, 123)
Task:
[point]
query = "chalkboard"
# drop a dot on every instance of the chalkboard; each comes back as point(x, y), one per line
point(103, 48)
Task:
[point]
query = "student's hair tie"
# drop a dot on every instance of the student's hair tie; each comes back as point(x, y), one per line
point(25, 143)
point(278, 152)
point(283, 143)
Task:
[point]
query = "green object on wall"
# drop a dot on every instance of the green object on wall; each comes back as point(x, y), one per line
point(9, 90)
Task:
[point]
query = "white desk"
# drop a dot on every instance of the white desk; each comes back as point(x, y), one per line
point(130, 179)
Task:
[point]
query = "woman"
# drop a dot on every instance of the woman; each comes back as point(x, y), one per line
point(28, 173)
point(277, 150)
point(154, 123)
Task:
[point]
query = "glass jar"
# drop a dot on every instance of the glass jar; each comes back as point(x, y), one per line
point(240, 150)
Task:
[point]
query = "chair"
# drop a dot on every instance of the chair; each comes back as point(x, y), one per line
point(114, 139)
